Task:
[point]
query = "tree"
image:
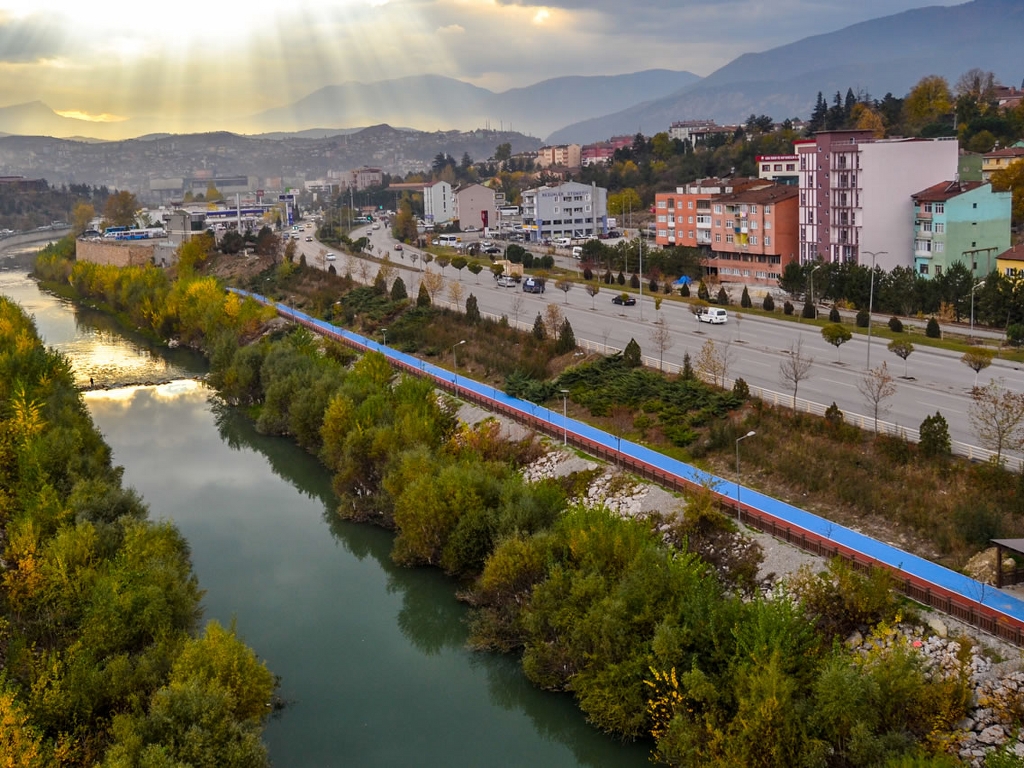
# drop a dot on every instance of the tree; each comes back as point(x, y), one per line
point(423, 297)
point(977, 359)
point(624, 201)
point(472, 309)
point(398, 292)
point(713, 363)
point(834, 316)
point(566, 338)
point(877, 387)
point(459, 263)
point(836, 335)
point(723, 297)
point(768, 305)
point(793, 279)
point(442, 262)
point(997, 416)
point(902, 350)
point(661, 338)
point(795, 368)
point(433, 282)
point(927, 102)
point(593, 288)
point(81, 218)
point(120, 209)
point(552, 320)
point(503, 152)
point(932, 329)
point(702, 291)
point(809, 312)
point(935, 442)
point(631, 355)
point(564, 285)
point(745, 301)
point(455, 294)
point(1011, 179)
point(476, 268)
point(538, 328)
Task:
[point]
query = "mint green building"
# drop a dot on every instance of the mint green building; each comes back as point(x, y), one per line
point(960, 221)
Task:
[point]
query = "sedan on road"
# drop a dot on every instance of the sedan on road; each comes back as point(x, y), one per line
point(398, 246)
point(624, 299)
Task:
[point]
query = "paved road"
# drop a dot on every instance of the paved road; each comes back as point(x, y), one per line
point(756, 345)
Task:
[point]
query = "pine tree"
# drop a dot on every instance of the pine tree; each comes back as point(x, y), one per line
point(566, 338)
point(818, 116)
point(423, 297)
point(472, 309)
point(631, 355)
point(398, 291)
point(745, 301)
point(538, 328)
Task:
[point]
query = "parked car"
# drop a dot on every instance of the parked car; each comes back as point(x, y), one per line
point(309, 239)
point(533, 285)
point(492, 250)
point(714, 315)
point(331, 257)
point(469, 229)
point(398, 246)
point(506, 281)
point(624, 299)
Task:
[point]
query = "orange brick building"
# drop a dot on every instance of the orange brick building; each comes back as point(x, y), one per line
point(754, 234)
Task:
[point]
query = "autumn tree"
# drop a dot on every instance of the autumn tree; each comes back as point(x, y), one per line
point(455, 294)
point(795, 367)
point(1011, 179)
point(120, 209)
point(902, 349)
point(713, 362)
point(564, 285)
point(593, 288)
point(81, 218)
point(927, 102)
point(997, 416)
point(433, 282)
point(977, 359)
point(552, 320)
point(878, 387)
point(661, 338)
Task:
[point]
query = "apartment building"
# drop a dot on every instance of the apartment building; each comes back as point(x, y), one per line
point(683, 217)
point(960, 221)
point(855, 194)
point(697, 131)
point(780, 168)
point(562, 156)
point(438, 202)
point(475, 206)
point(568, 210)
point(754, 233)
point(1010, 262)
point(602, 152)
point(999, 159)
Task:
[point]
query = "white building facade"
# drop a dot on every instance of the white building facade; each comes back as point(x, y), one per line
point(475, 206)
point(438, 203)
point(568, 210)
point(855, 194)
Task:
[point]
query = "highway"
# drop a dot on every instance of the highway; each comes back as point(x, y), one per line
point(755, 345)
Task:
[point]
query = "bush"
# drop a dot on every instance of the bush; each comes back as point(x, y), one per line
point(863, 318)
point(808, 312)
point(740, 389)
point(634, 281)
point(723, 297)
point(398, 292)
point(702, 292)
point(834, 415)
point(895, 324)
point(1015, 335)
point(745, 301)
point(566, 338)
point(687, 372)
point(631, 355)
point(935, 441)
point(653, 285)
point(768, 305)
point(932, 330)
point(588, 273)
point(787, 308)
point(621, 279)
point(684, 291)
point(834, 316)
point(472, 309)
point(539, 333)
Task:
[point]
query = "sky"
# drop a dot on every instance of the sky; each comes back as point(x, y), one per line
point(205, 66)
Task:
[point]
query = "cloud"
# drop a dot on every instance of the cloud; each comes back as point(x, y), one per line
point(452, 29)
point(29, 40)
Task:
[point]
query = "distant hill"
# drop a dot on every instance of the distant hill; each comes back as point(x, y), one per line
point(433, 102)
point(888, 54)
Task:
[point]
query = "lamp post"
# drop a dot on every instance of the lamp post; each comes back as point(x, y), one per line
point(565, 427)
point(385, 332)
point(640, 246)
point(871, 296)
point(455, 361)
point(813, 270)
point(979, 284)
point(739, 509)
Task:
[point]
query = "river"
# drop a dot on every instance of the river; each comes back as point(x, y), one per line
point(372, 657)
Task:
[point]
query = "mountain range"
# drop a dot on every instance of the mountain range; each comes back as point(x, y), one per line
point(888, 54)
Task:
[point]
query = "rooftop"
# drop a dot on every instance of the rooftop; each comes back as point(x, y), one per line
point(945, 190)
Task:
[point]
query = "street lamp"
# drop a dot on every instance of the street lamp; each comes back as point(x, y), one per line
point(978, 285)
point(455, 361)
point(739, 509)
point(385, 332)
point(871, 296)
point(565, 428)
point(813, 270)
point(640, 246)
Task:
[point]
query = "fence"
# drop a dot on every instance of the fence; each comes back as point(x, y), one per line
point(933, 585)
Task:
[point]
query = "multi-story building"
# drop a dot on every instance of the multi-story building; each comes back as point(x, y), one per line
point(438, 203)
point(696, 131)
point(998, 159)
point(475, 206)
point(1010, 262)
point(364, 178)
point(855, 194)
point(754, 234)
point(563, 156)
point(567, 210)
point(780, 168)
point(683, 217)
point(961, 221)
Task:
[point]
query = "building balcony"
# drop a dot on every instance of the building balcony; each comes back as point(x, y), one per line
point(922, 234)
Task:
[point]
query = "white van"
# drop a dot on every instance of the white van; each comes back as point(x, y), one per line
point(713, 315)
point(563, 242)
point(449, 241)
point(577, 251)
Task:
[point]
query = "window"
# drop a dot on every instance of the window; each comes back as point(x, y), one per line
point(661, 218)
point(753, 239)
point(767, 225)
point(767, 241)
point(753, 209)
point(927, 207)
point(689, 234)
point(730, 224)
point(718, 208)
point(662, 233)
point(728, 238)
point(926, 226)
point(718, 237)
point(940, 227)
point(938, 270)
point(689, 204)
point(661, 203)
point(753, 225)
point(718, 222)
point(689, 219)
point(767, 210)
point(941, 207)
point(924, 269)
point(939, 247)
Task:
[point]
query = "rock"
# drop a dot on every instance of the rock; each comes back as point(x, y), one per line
point(983, 566)
point(994, 734)
point(938, 627)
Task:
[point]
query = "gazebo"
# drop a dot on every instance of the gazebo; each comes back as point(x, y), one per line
point(1016, 574)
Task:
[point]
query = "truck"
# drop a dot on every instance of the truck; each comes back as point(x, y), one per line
point(510, 268)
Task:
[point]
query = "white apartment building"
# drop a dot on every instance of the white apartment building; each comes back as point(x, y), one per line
point(855, 194)
point(563, 155)
point(567, 210)
point(438, 202)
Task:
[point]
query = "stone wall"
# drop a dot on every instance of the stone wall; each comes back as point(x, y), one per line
point(118, 254)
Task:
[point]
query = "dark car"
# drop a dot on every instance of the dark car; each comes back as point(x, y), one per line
point(624, 300)
point(533, 285)
point(493, 249)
